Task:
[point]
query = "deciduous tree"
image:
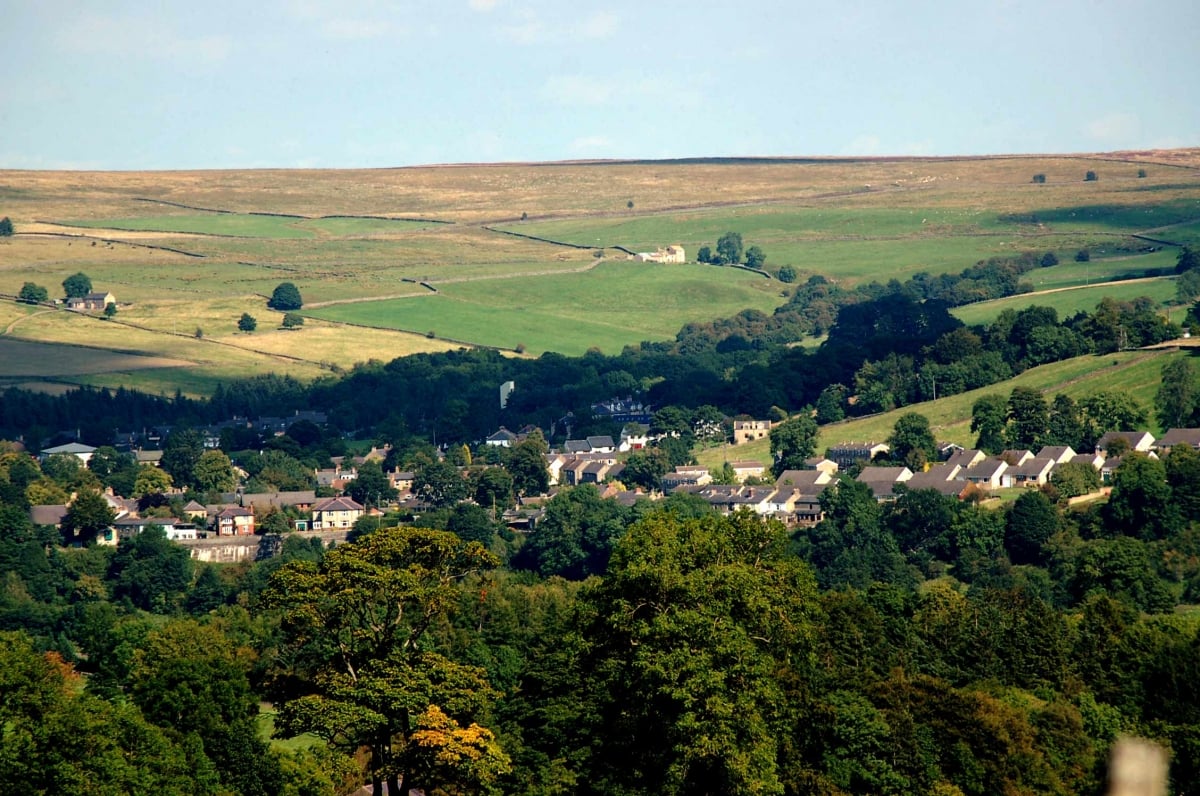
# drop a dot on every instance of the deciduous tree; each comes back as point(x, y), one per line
point(33, 294)
point(77, 285)
point(285, 297)
point(793, 441)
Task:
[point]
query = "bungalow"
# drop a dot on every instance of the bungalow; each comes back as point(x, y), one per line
point(336, 512)
point(1179, 436)
point(1061, 454)
point(1139, 441)
point(805, 480)
point(966, 458)
point(883, 480)
point(260, 501)
point(986, 474)
point(195, 511)
point(939, 478)
point(175, 529)
point(503, 438)
point(76, 449)
point(685, 476)
point(1033, 472)
point(1016, 456)
point(152, 458)
point(821, 463)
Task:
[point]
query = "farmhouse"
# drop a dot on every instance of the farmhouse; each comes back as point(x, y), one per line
point(749, 430)
point(92, 301)
point(672, 254)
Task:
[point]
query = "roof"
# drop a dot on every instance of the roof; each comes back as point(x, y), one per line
point(192, 505)
point(70, 447)
point(47, 515)
point(987, 469)
point(1134, 438)
point(934, 478)
point(279, 498)
point(802, 479)
point(879, 475)
point(337, 504)
point(234, 511)
point(601, 442)
point(1033, 468)
point(1180, 436)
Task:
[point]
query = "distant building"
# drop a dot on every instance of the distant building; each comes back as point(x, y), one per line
point(506, 390)
point(672, 254)
point(749, 430)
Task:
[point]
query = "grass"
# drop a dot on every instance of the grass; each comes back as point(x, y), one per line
point(613, 305)
point(1136, 373)
point(250, 226)
point(1068, 302)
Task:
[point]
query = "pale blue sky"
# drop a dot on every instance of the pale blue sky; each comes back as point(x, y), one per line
point(159, 84)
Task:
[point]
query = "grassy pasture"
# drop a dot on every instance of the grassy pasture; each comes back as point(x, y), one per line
point(245, 225)
point(1134, 372)
point(613, 305)
point(1068, 302)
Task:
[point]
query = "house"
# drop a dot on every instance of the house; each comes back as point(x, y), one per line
point(624, 410)
point(883, 480)
point(941, 479)
point(685, 476)
point(749, 430)
point(849, 453)
point(1032, 472)
point(671, 254)
point(1139, 441)
point(1061, 454)
point(1093, 460)
point(744, 470)
point(1016, 456)
point(985, 474)
point(76, 449)
point(92, 301)
point(47, 515)
point(947, 449)
point(336, 478)
point(152, 458)
point(401, 480)
point(336, 512)
point(805, 480)
point(966, 458)
point(601, 444)
point(260, 501)
point(175, 529)
point(821, 463)
point(234, 521)
point(195, 511)
point(1110, 466)
point(1179, 436)
point(634, 437)
point(502, 439)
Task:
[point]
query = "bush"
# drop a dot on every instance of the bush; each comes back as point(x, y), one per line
point(1141, 173)
point(787, 274)
point(33, 294)
point(110, 309)
point(520, 349)
point(1082, 256)
point(199, 333)
point(430, 334)
point(1090, 177)
point(6, 227)
point(286, 297)
point(1049, 259)
point(291, 320)
point(1039, 178)
point(247, 322)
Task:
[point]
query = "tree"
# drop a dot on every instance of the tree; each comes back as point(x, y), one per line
point(1039, 178)
point(110, 310)
point(151, 480)
point(6, 227)
point(831, 404)
point(1031, 522)
point(1090, 177)
point(493, 487)
point(151, 571)
point(371, 486)
point(793, 441)
point(182, 452)
point(440, 484)
point(88, 515)
point(247, 323)
point(527, 464)
point(912, 441)
point(729, 248)
point(1028, 416)
point(1048, 259)
point(1083, 256)
point(292, 320)
point(680, 709)
point(704, 255)
point(1140, 504)
point(575, 536)
point(787, 274)
point(363, 671)
point(1187, 260)
point(1073, 479)
point(214, 472)
point(1176, 399)
point(645, 469)
point(989, 419)
point(77, 285)
point(755, 258)
point(285, 297)
point(1182, 465)
point(33, 294)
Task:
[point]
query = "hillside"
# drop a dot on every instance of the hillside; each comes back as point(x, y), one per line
point(525, 255)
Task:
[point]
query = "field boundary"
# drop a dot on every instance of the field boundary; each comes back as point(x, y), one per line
point(222, 211)
point(171, 249)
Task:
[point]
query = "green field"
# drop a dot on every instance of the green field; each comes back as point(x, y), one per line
point(1069, 302)
point(246, 225)
point(611, 306)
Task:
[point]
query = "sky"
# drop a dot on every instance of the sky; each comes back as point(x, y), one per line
point(180, 84)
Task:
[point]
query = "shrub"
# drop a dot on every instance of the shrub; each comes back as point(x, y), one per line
point(33, 294)
point(199, 333)
point(247, 322)
point(6, 227)
point(1090, 177)
point(291, 320)
point(1039, 178)
point(1082, 256)
point(1049, 259)
point(1141, 172)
